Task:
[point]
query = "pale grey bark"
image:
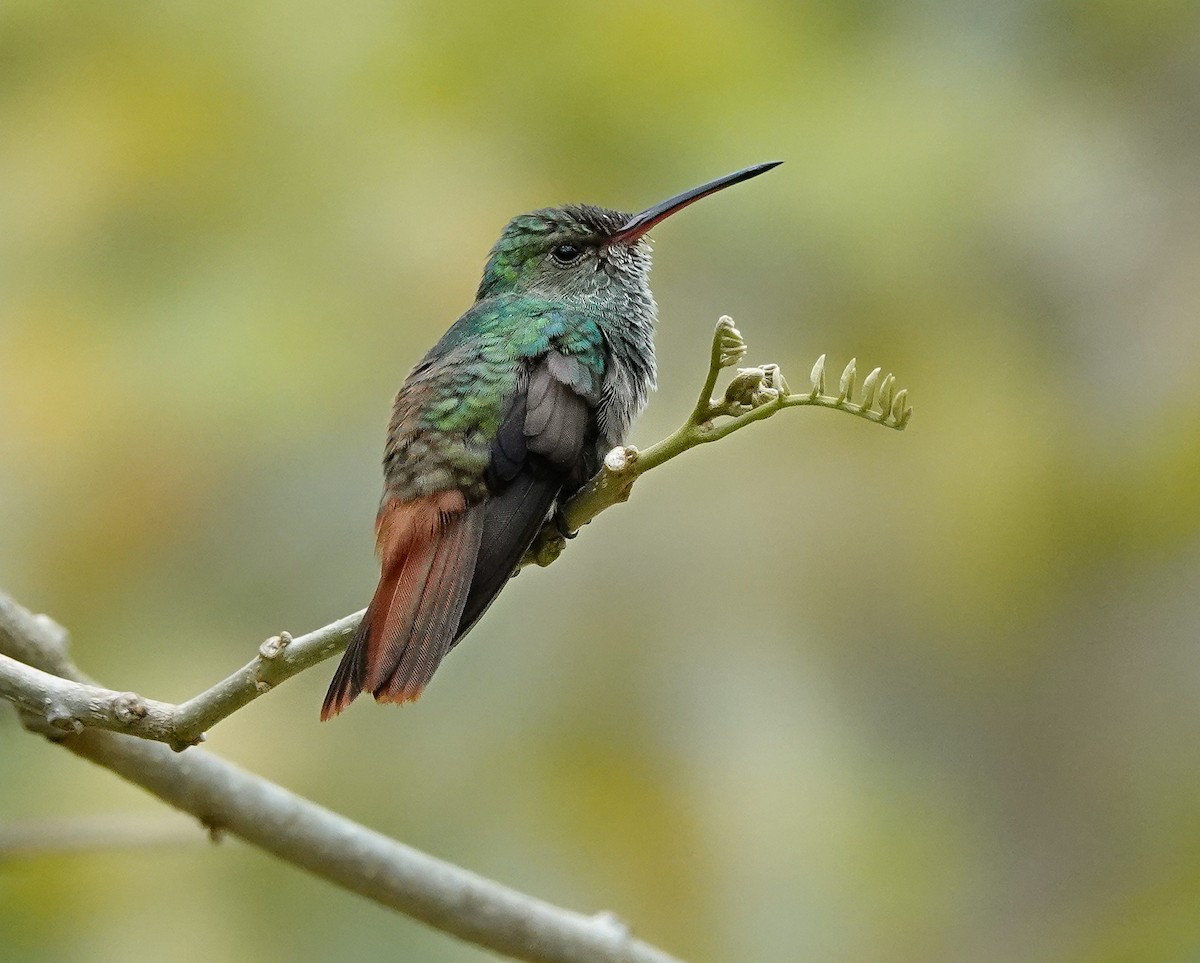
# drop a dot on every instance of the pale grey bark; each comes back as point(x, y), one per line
point(227, 799)
point(447, 897)
point(67, 706)
point(55, 698)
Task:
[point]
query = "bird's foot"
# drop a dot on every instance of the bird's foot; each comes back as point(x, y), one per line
point(560, 524)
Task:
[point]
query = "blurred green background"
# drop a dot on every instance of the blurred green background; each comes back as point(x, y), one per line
point(823, 691)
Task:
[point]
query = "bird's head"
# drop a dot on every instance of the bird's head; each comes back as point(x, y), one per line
point(580, 252)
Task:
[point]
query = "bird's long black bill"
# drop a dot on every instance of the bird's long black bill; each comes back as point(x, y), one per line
point(639, 224)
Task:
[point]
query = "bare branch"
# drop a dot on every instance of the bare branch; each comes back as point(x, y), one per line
point(279, 658)
point(36, 640)
point(754, 394)
point(227, 799)
point(54, 705)
point(54, 697)
point(64, 706)
point(446, 897)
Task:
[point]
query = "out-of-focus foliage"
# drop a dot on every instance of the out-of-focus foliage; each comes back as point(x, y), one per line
point(821, 691)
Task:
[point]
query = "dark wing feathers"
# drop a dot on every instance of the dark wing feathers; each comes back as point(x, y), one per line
point(351, 672)
point(556, 419)
point(552, 420)
point(573, 373)
point(443, 562)
point(509, 450)
point(511, 521)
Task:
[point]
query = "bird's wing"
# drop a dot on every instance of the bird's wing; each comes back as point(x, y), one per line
point(443, 558)
point(537, 451)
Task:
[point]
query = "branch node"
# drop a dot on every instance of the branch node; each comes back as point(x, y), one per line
point(273, 646)
point(771, 388)
point(620, 459)
point(128, 707)
point(179, 745)
point(741, 391)
point(547, 546)
point(52, 628)
point(613, 926)
point(59, 717)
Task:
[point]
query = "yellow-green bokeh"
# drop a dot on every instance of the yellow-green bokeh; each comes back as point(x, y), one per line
point(822, 691)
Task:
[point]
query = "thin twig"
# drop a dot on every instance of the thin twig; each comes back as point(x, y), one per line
point(53, 696)
point(279, 658)
point(67, 706)
point(754, 395)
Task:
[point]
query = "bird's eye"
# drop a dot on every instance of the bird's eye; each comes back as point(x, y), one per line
point(566, 253)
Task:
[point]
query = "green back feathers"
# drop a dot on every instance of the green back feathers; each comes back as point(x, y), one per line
point(476, 365)
point(525, 238)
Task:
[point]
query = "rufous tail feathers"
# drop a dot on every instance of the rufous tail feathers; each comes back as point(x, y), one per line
point(427, 550)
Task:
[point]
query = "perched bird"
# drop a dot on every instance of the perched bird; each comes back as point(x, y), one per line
point(509, 414)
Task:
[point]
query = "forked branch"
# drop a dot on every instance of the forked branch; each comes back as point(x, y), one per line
point(226, 799)
point(752, 395)
point(53, 697)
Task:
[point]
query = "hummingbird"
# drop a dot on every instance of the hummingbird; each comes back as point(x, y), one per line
point(505, 418)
